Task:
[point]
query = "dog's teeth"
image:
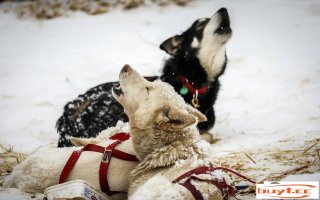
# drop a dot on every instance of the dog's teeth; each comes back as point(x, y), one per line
point(118, 88)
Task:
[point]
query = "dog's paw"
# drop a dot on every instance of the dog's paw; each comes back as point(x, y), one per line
point(206, 136)
point(158, 187)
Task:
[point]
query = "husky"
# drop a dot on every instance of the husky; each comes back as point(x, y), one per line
point(165, 138)
point(197, 60)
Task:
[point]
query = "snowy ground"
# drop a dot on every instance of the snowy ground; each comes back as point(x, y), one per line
point(270, 96)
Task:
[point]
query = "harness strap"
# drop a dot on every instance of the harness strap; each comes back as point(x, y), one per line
point(74, 158)
point(196, 171)
point(234, 172)
point(69, 165)
point(221, 184)
point(123, 155)
point(120, 154)
point(104, 166)
point(120, 136)
point(195, 193)
point(225, 188)
point(107, 153)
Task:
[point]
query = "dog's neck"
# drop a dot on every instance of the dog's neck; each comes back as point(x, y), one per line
point(214, 65)
point(167, 155)
point(202, 67)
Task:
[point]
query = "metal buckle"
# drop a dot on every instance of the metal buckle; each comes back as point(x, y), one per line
point(195, 101)
point(106, 156)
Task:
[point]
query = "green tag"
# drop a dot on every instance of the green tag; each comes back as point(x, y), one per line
point(184, 90)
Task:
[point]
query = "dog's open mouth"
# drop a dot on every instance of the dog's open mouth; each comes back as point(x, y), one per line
point(224, 24)
point(117, 89)
point(224, 27)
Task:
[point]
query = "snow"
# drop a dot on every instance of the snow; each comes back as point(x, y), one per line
point(14, 194)
point(303, 177)
point(270, 91)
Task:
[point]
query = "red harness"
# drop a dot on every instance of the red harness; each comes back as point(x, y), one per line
point(221, 184)
point(107, 153)
point(193, 90)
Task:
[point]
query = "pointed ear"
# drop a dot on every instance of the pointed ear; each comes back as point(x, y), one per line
point(83, 141)
point(172, 119)
point(172, 45)
point(201, 117)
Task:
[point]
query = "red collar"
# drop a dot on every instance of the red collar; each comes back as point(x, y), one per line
point(193, 90)
point(107, 153)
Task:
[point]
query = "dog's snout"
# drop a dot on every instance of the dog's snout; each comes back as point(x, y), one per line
point(223, 11)
point(125, 68)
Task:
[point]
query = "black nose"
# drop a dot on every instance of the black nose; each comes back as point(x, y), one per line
point(125, 68)
point(223, 11)
point(224, 14)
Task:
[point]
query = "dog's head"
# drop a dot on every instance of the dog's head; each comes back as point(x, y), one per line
point(153, 105)
point(205, 40)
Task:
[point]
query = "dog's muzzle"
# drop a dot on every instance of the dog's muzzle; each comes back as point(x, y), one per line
point(224, 27)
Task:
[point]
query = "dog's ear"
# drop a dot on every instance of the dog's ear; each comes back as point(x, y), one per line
point(172, 45)
point(172, 119)
point(83, 141)
point(201, 117)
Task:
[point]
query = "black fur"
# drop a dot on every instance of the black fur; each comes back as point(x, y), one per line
point(184, 61)
point(97, 110)
point(89, 114)
point(195, 74)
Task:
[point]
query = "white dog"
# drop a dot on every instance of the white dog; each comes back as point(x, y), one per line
point(165, 138)
point(42, 169)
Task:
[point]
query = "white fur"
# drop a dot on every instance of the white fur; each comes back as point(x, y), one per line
point(158, 187)
point(159, 94)
point(42, 169)
point(195, 43)
point(38, 171)
point(165, 138)
point(212, 48)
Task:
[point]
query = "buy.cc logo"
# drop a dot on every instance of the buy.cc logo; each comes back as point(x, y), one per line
point(288, 190)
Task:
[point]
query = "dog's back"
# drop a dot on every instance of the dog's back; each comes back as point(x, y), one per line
point(42, 169)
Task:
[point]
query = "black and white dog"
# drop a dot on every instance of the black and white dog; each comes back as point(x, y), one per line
point(198, 58)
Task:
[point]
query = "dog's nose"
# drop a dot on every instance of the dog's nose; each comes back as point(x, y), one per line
point(125, 68)
point(223, 11)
